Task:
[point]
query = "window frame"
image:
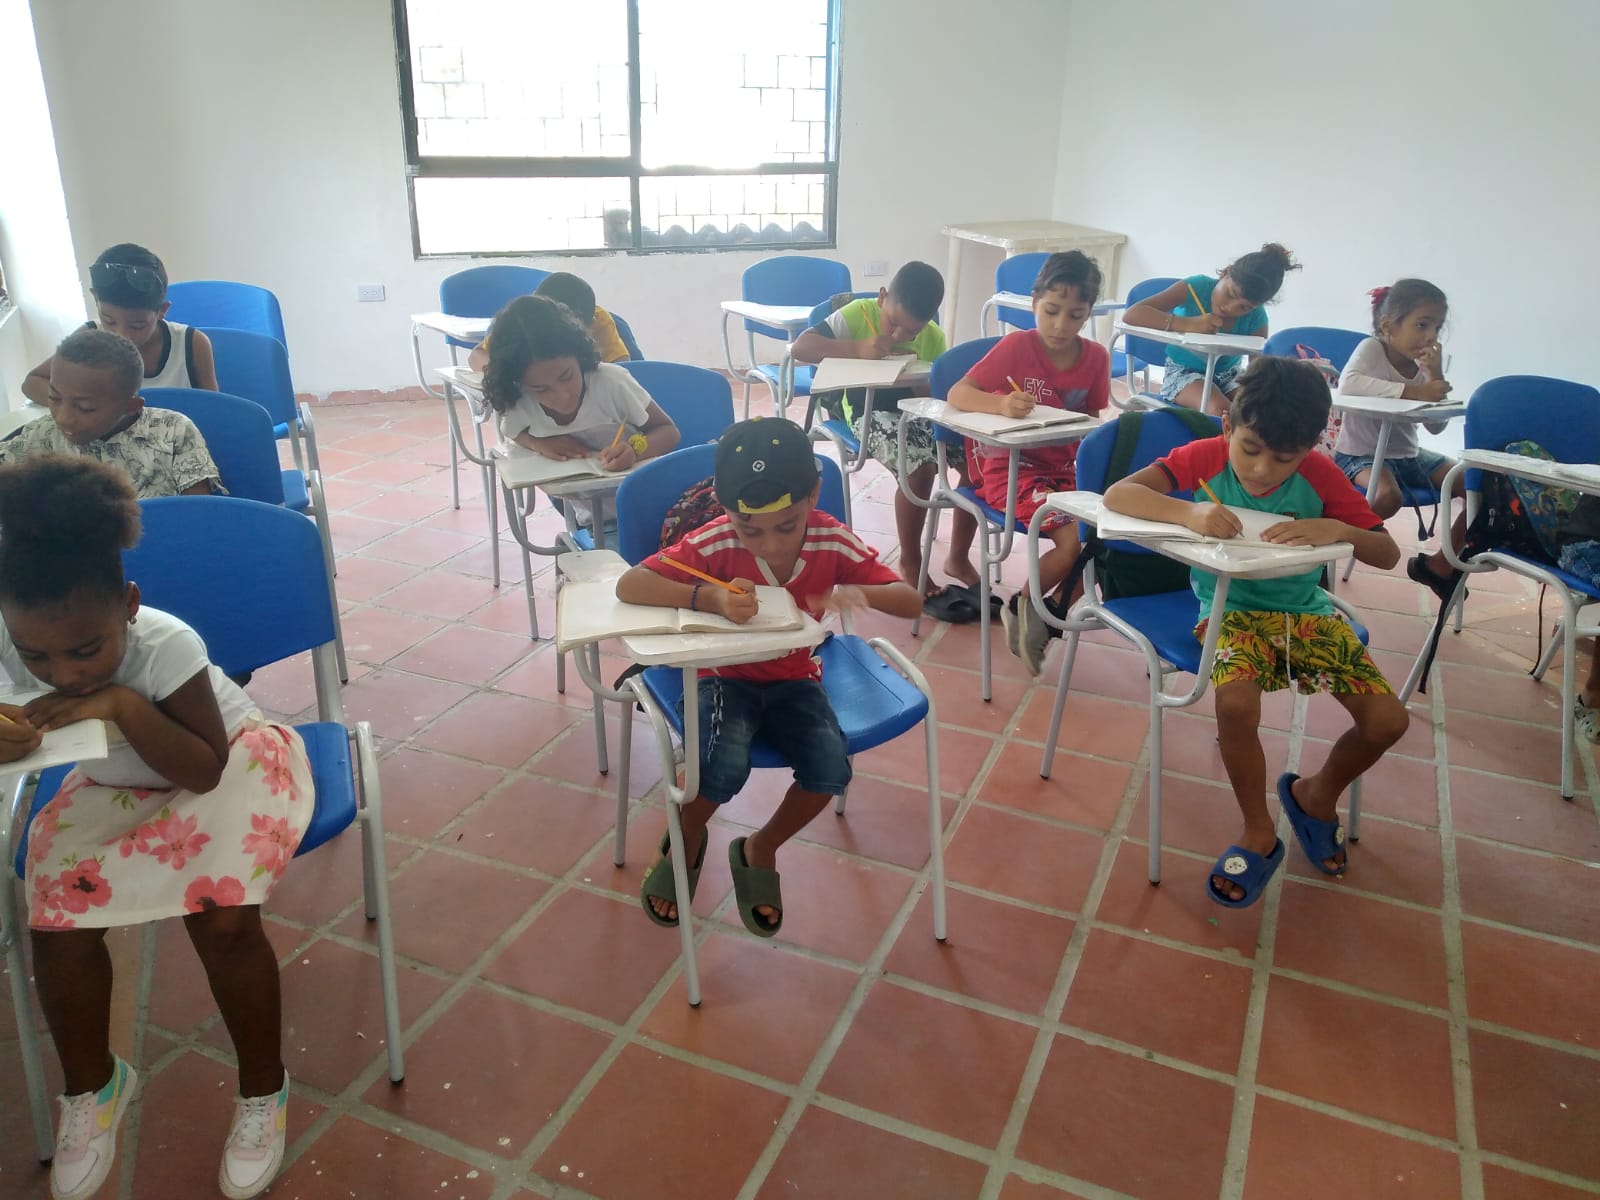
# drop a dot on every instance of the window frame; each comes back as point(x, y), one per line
point(420, 166)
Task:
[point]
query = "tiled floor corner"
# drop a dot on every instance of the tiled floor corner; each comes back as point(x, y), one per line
point(1425, 1028)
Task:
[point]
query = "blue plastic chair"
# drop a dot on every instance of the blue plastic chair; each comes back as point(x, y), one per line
point(248, 617)
point(1335, 345)
point(1013, 277)
point(256, 366)
point(484, 291)
point(699, 401)
point(220, 304)
point(876, 692)
point(238, 435)
point(625, 332)
point(1139, 354)
point(1564, 418)
point(797, 280)
point(1160, 625)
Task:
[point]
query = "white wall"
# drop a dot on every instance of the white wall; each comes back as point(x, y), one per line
point(267, 148)
point(1455, 141)
point(35, 241)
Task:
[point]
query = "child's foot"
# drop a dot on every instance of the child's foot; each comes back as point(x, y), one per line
point(254, 1149)
point(962, 571)
point(1316, 825)
point(86, 1141)
point(1422, 572)
point(1264, 846)
point(755, 886)
point(910, 569)
point(659, 891)
point(1033, 635)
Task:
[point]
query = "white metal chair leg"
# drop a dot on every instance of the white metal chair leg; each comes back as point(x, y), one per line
point(619, 847)
point(377, 894)
point(935, 825)
point(1154, 834)
point(1354, 830)
point(600, 755)
point(1059, 705)
point(838, 801)
point(319, 510)
point(28, 1042)
point(1549, 654)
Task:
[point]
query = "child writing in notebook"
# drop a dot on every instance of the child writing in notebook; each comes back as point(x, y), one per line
point(1400, 360)
point(767, 481)
point(555, 397)
point(1283, 629)
point(96, 411)
point(194, 813)
point(129, 286)
point(1051, 364)
point(899, 320)
point(1230, 302)
point(566, 288)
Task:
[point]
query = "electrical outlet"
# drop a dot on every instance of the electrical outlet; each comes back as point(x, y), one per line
point(369, 293)
point(876, 268)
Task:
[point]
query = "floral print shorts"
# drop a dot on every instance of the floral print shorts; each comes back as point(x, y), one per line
point(1318, 652)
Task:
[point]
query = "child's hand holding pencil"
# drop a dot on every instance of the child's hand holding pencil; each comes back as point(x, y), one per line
point(1017, 403)
point(736, 601)
point(18, 737)
point(1214, 519)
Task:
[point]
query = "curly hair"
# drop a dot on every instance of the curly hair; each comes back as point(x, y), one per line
point(1259, 274)
point(528, 330)
point(1284, 402)
point(1070, 269)
point(64, 523)
point(105, 351)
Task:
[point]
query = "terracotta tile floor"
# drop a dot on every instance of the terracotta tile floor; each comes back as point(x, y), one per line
point(1423, 1029)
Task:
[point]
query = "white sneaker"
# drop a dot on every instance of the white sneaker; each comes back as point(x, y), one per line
point(86, 1141)
point(1033, 635)
point(1013, 627)
point(254, 1149)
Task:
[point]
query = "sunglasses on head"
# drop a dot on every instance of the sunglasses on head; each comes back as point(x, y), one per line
point(140, 280)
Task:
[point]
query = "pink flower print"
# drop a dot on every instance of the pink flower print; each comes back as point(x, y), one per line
point(42, 833)
point(204, 894)
point(273, 843)
point(51, 920)
point(178, 841)
point(269, 753)
point(83, 887)
point(46, 895)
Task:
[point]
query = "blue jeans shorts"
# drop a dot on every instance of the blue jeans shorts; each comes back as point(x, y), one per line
point(1175, 378)
point(793, 716)
point(1413, 474)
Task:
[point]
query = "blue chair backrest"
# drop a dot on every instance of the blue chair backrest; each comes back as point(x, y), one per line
point(1016, 274)
point(1561, 416)
point(1335, 345)
point(256, 367)
point(247, 614)
point(655, 486)
point(1159, 433)
point(1146, 348)
point(237, 432)
point(700, 402)
point(949, 369)
point(625, 332)
point(220, 304)
point(792, 279)
point(484, 291)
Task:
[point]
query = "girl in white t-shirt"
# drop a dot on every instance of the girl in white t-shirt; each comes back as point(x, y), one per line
point(555, 397)
point(195, 812)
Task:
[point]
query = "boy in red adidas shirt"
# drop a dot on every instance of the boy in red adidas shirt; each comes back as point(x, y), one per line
point(767, 480)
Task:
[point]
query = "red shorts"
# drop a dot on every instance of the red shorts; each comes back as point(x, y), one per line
point(1035, 482)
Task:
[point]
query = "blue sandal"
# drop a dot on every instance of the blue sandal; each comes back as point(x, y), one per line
point(1318, 838)
point(1248, 870)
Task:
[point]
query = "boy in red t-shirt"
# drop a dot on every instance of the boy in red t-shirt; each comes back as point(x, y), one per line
point(766, 479)
point(1051, 365)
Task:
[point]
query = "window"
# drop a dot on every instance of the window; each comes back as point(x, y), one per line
point(637, 125)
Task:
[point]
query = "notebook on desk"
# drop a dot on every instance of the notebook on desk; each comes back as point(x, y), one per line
point(836, 374)
point(589, 611)
point(993, 424)
point(82, 741)
point(1238, 343)
point(1115, 525)
point(1380, 404)
point(523, 468)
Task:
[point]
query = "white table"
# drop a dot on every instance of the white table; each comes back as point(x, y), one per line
point(465, 329)
point(1213, 346)
point(1027, 237)
point(690, 653)
point(995, 543)
point(782, 322)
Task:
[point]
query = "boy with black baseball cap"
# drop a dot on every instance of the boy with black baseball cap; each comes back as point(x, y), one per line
point(767, 481)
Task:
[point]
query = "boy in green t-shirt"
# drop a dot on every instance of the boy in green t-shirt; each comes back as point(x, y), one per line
point(899, 320)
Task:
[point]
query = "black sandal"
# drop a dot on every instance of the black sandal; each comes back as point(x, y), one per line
point(1442, 586)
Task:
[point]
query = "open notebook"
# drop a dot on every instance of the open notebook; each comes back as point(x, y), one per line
point(832, 374)
point(1121, 525)
point(523, 468)
point(993, 424)
point(80, 742)
point(588, 611)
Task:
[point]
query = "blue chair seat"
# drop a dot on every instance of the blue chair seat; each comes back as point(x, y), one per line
point(991, 514)
point(296, 494)
point(841, 432)
point(583, 538)
point(1419, 497)
point(1575, 583)
point(873, 702)
point(803, 372)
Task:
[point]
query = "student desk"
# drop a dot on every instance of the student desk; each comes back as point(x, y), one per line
point(1212, 345)
point(995, 542)
point(1225, 562)
point(464, 329)
point(1026, 237)
point(781, 322)
point(689, 652)
point(1392, 412)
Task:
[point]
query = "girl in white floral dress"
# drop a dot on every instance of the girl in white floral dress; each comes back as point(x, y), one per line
point(195, 812)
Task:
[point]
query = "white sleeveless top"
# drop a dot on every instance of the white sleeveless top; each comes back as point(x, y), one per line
point(174, 369)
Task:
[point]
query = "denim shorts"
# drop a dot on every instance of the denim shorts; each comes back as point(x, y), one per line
point(1174, 378)
point(1414, 474)
point(793, 716)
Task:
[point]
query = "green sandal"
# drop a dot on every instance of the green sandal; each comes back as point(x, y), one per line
point(659, 884)
point(754, 887)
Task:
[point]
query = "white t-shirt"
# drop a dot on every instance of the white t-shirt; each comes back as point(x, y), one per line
point(163, 655)
point(611, 397)
point(1368, 372)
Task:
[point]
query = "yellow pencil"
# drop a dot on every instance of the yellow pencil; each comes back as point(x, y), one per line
point(1014, 386)
point(617, 441)
point(1195, 296)
point(1210, 493)
point(699, 574)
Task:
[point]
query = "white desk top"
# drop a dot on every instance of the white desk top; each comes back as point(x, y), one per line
point(519, 468)
point(1580, 477)
point(464, 378)
point(720, 649)
point(467, 329)
point(1023, 300)
point(792, 317)
point(1410, 411)
point(933, 410)
point(1015, 237)
point(1210, 344)
point(1216, 558)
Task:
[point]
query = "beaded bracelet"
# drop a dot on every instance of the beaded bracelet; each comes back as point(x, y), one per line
point(694, 598)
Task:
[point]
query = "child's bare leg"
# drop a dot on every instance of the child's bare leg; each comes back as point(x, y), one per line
point(694, 817)
point(1380, 722)
point(1055, 564)
point(72, 972)
point(1590, 693)
point(1238, 705)
point(958, 562)
point(1386, 499)
point(799, 809)
point(909, 518)
point(243, 972)
point(1437, 562)
point(1190, 395)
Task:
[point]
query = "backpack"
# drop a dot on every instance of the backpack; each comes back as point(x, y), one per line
point(1329, 372)
point(696, 507)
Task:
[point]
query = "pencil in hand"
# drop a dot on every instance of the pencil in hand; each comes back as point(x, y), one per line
point(617, 441)
point(699, 574)
point(1195, 296)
